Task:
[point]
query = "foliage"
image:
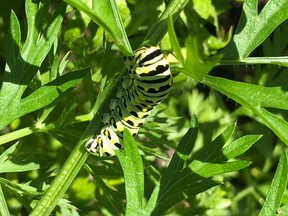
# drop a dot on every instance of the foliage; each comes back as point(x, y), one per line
point(61, 66)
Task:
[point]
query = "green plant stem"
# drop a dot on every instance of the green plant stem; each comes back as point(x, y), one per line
point(83, 118)
point(3, 203)
point(15, 135)
point(38, 127)
point(282, 61)
point(255, 60)
point(63, 180)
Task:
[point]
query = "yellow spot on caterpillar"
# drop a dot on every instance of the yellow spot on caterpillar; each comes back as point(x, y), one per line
point(120, 129)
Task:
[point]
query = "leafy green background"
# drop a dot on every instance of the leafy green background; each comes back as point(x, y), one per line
point(215, 146)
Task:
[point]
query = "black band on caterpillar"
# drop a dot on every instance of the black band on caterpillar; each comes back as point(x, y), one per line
point(148, 84)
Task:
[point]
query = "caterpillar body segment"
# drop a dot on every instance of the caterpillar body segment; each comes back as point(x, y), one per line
point(147, 85)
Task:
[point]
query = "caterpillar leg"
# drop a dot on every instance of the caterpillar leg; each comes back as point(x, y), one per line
point(93, 144)
point(105, 144)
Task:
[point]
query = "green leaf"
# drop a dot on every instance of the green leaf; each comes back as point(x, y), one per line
point(198, 171)
point(23, 68)
point(213, 150)
point(250, 94)
point(49, 92)
point(20, 163)
point(7, 153)
point(42, 96)
point(255, 98)
point(13, 45)
point(174, 41)
point(277, 188)
point(152, 202)
point(206, 10)
point(209, 162)
point(63, 63)
point(239, 146)
point(208, 169)
point(35, 53)
point(132, 166)
point(234, 149)
point(31, 9)
point(176, 196)
point(277, 43)
point(20, 188)
point(66, 208)
point(114, 204)
point(180, 156)
point(194, 65)
point(106, 15)
point(158, 30)
point(254, 28)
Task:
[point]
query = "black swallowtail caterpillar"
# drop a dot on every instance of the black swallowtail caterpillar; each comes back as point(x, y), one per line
point(148, 84)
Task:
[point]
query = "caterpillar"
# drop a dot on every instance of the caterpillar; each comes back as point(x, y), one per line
point(147, 85)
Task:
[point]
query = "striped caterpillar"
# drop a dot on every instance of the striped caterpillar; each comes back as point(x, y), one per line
point(147, 85)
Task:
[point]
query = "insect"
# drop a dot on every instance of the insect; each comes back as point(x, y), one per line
point(147, 85)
